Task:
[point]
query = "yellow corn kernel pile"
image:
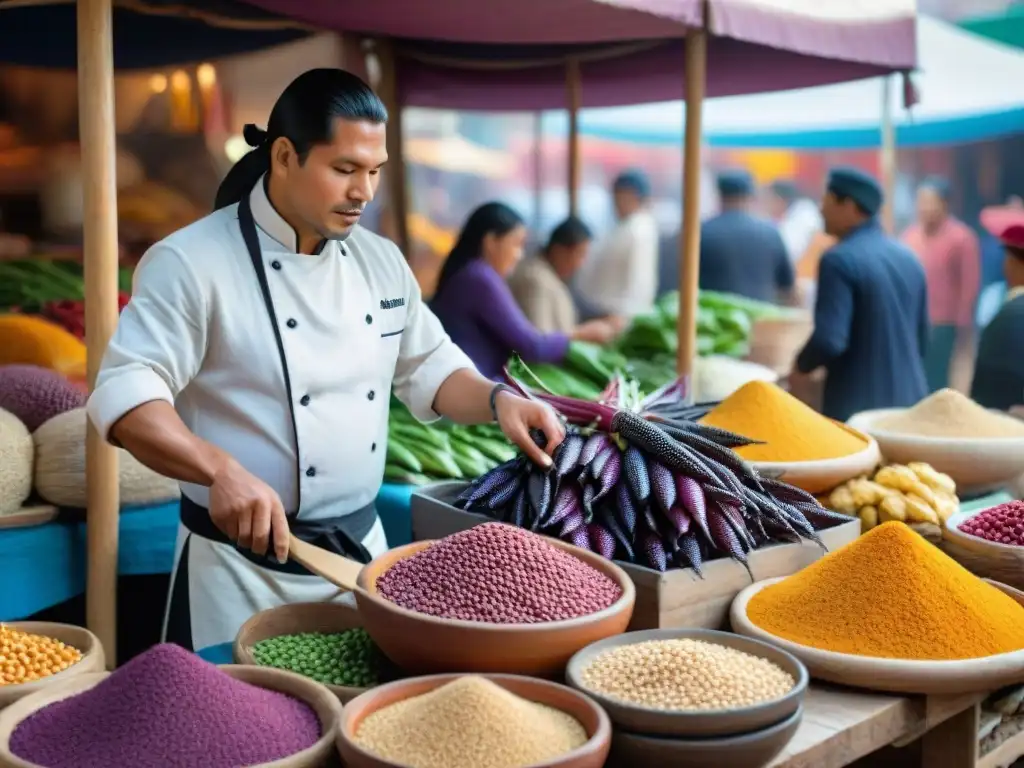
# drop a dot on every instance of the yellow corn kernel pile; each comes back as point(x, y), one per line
point(25, 657)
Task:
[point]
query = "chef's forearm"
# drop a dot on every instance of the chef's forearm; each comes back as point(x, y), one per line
point(465, 398)
point(155, 435)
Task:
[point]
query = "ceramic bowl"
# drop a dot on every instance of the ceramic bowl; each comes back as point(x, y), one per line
point(323, 702)
point(93, 658)
point(419, 643)
point(952, 677)
point(989, 559)
point(695, 723)
point(748, 750)
point(824, 474)
point(593, 719)
point(975, 464)
point(297, 618)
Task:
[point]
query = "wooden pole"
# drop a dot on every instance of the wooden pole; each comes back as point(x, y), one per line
point(99, 189)
point(574, 96)
point(689, 240)
point(887, 158)
point(398, 192)
point(538, 171)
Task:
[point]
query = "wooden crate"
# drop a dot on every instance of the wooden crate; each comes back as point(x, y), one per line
point(675, 598)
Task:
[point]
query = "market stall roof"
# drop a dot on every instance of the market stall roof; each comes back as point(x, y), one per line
point(465, 54)
point(148, 34)
point(969, 89)
point(1006, 27)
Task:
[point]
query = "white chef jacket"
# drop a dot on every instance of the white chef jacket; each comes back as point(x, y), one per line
point(621, 277)
point(197, 335)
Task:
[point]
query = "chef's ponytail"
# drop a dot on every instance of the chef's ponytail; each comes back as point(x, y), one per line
point(304, 114)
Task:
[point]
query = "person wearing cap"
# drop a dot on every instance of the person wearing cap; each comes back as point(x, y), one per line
point(999, 369)
point(621, 278)
point(871, 312)
point(993, 278)
point(951, 255)
point(741, 253)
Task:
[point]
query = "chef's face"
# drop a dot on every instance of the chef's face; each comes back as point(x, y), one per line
point(504, 252)
point(329, 191)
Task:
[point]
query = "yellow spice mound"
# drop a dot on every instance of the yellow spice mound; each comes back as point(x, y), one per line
point(891, 594)
point(948, 413)
point(469, 723)
point(789, 429)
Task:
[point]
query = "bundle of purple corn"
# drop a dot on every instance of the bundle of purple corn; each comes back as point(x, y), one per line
point(641, 480)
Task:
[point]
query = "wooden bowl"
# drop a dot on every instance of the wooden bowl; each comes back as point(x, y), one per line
point(326, 618)
point(892, 675)
point(825, 474)
point(593, 719)
point(93, 658)
point(694, 723)
point(975, 464)
point(420, 643)
point(1000, 562)
point(323, 754)
point(748, 750)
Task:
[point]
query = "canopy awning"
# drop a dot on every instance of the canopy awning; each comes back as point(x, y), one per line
point(148, 34)
point(969, 90)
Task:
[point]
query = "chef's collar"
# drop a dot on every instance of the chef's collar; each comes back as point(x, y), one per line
point(270, 221)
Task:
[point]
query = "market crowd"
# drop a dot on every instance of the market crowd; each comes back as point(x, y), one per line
point(894, 317)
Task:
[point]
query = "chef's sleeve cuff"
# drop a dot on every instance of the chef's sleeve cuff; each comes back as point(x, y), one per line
point(428, 378)
point(124, 390)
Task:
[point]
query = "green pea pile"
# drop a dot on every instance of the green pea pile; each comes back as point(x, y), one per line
point(346, 658)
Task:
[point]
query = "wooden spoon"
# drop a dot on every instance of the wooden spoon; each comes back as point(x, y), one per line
point(334, 568)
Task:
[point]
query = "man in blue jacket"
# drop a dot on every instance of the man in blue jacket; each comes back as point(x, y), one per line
point(871, 312)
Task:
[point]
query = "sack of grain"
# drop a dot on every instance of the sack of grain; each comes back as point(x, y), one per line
point(60, 467)
point(15, 463)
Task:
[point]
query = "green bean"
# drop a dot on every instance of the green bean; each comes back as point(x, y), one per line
point(346, 658)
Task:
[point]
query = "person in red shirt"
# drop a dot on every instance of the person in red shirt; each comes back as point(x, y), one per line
point(951, 255)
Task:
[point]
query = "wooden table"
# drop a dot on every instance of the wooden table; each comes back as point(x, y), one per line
point(841, 726)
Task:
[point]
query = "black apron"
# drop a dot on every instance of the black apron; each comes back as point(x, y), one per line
point(342, 535)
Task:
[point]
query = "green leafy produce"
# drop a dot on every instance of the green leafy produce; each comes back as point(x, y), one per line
point(347, 658)
point(33, 283)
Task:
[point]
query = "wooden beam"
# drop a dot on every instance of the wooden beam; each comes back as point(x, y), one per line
point(100, 261)
point(394, 174)
point(574, 100)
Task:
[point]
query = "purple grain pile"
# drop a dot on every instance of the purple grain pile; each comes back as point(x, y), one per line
point(167, 708)
point(497, 574)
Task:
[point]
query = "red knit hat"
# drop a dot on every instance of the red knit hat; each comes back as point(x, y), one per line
point(1006, 223)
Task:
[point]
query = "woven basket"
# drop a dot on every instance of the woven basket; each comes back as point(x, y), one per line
point(775, 342)
point(60, 467)
point(15, 463)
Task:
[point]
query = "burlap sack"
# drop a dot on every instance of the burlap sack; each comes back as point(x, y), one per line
point(60, 467)
point(15, 463)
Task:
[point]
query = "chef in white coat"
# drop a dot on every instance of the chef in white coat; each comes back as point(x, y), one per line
point(256, 358)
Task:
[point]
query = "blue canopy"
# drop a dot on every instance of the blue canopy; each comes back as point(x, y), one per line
point(148, 34)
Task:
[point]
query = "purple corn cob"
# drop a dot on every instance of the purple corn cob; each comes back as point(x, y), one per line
point(620, 535)
point(504, 493)
point(691, 495)
point(567, 500)
point(652, 523)
point(689, 548)
point(588, 501)
point(655, 551)
point(579, 538)
point(572, 523)
point(627, 510)
point(636, 474)
point(599, 461)
point(680, 520)
point(568, 453)
point(519, 509)
point(594, 445)
point(601, 541)
point(663, 485)
point(610, 473)
point(725, 540)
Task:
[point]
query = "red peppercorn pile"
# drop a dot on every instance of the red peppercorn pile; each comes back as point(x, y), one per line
point(497, 574)
point(1003, 524)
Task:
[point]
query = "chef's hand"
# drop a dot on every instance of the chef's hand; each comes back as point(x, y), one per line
point(248, 511)
point(517, 416)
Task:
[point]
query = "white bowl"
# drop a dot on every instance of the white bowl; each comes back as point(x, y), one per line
point(823, 474)
point(976, 464)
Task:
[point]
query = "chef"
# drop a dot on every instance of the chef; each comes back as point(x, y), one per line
point(258, 354)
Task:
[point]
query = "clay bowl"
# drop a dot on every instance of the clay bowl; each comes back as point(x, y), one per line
point(695, 723)
point(976, 464)
point(323, 754)
point(93, 658)
point(825, 474)
point(419, 643)
point(591, 755)
point(891, 675)
point(297, 618)
point(990, 559)
point(748, 750)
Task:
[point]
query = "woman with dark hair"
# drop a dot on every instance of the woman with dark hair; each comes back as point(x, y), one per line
point(476, 306)
point(255, 360)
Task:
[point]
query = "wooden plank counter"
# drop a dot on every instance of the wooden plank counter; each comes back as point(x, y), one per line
point(840, 726)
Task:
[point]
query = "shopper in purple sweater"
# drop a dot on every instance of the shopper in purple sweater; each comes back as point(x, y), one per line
point(476, 306)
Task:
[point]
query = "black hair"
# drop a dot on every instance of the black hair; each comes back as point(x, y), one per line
point(1017, 253)
point(304, 114)
point(840, 198)
point(490, 218)
point(569, 233)
point(634, 181)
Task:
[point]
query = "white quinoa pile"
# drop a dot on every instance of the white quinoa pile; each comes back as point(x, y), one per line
point(681, 675)
point(469, 723)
